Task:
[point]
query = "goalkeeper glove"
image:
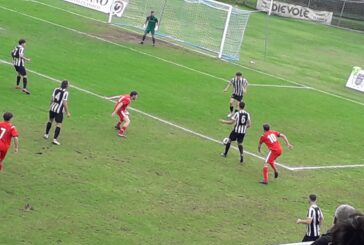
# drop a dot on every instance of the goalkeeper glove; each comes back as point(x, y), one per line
point(144, 26)
point(156, 28)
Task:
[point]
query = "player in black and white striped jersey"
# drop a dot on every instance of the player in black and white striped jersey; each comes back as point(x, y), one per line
point(58, 106)
point(242, 122)
point(313, 221)
point(240, 85)
point(19, 65)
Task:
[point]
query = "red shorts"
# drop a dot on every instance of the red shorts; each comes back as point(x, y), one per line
point(272, 156)
point(2, 155)
point(3, 151)
point(122, 115)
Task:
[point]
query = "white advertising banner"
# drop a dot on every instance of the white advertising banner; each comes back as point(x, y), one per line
point(356, 79)
point(117, 7)
point(295, 11)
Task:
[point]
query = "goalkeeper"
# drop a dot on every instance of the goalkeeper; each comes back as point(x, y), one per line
point(151, 24)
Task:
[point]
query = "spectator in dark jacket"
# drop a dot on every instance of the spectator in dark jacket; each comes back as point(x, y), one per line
point(342, 213)
point(349, 232)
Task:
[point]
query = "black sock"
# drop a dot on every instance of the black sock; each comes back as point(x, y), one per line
point(227, 147)
point(231, 108)
point(56, 132)
point(144, 38)
point(25, 82)
point(241, 150)
point(153, 40)
point(48, 127)
point(18, 80)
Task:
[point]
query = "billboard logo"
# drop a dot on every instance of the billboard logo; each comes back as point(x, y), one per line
point(118, 7)
point(359, 79)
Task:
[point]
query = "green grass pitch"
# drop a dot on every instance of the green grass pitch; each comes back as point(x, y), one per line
point(162, 185)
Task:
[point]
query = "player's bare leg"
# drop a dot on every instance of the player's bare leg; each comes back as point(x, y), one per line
point(57, 131)
point(121, 121)
point(232, 105)
point(236, 105)
point(124, 127)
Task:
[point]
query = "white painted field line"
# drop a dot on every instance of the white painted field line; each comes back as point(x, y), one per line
point(118, 26)
point(67, 11)
point(300, 84)
point(140, 52)
point(186, 67)
point(276, 86)
point(185, 129)
point(164, 60)
point(111, 42)
point(328, 167)
point(145, 114)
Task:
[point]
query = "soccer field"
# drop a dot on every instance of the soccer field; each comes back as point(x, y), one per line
point(165, 184)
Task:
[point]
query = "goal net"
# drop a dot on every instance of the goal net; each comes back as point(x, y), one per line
point(208, 26)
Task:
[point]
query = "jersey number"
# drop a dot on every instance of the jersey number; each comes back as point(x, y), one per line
point(57, 97)
point(272, 138)
point(2, 132)
point(243, 120)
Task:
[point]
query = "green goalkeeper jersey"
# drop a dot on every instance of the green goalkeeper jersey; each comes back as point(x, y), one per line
point(152, 22)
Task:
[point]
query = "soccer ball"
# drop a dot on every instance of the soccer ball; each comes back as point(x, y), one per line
point(225, 141)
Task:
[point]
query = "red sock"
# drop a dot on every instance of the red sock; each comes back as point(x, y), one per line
point(118, 124)
point(122, 130)
point(273, 166)
point(265, 174)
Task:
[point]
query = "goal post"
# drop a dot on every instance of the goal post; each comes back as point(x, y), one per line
point(225, 31)
point(208, 26)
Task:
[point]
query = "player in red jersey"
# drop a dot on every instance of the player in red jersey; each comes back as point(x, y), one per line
point(7, 132)
point(270, 138)
point(120, 109)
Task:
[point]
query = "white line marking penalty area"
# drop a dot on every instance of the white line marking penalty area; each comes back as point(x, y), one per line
point(186, 129)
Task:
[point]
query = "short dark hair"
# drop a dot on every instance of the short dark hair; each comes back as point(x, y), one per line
point(64, 84)
point(22, 41)
point(266, 127)
point(152, 12)
point(312, 197)
point(238, 74)
point(7, 116)
point(133, 93)
point(349, 232)
point(242, 105)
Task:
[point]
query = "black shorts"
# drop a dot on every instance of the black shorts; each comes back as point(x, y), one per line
point(236, 136)
point(309, 238)
point(237, 97)
point(21, 70)
point(58, 117)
